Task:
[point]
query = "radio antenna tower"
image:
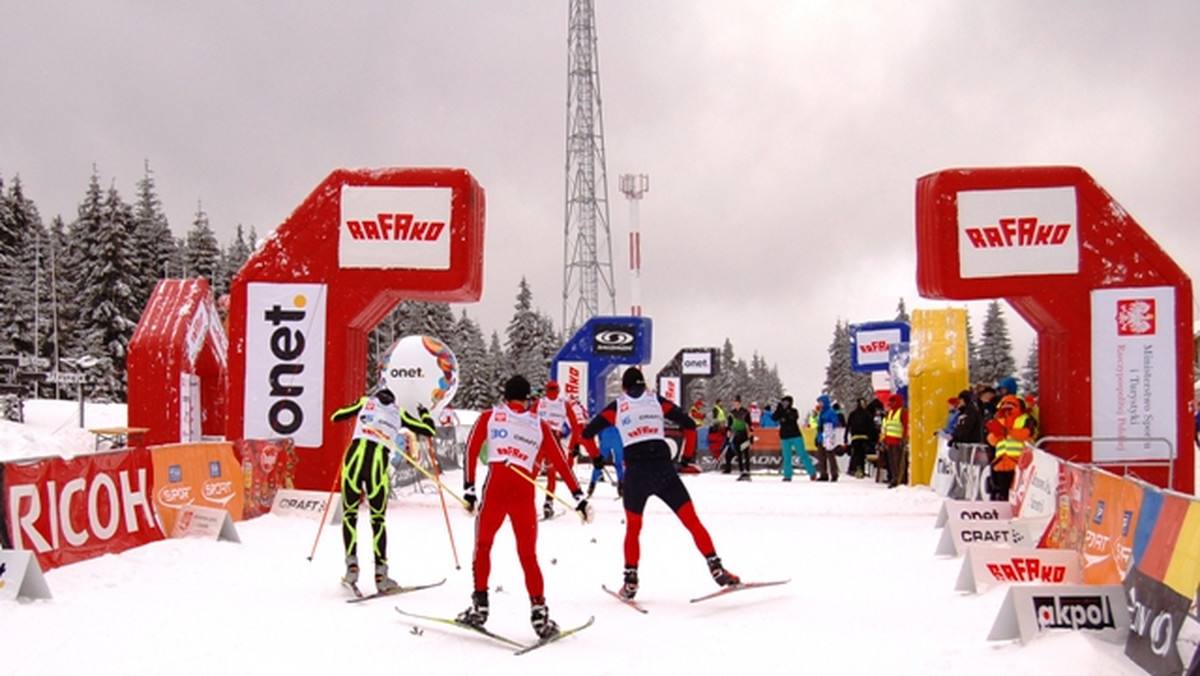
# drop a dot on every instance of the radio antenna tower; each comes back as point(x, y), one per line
point(587, 247)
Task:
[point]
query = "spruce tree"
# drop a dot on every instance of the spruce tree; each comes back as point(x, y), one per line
point(153, 244)
point(105, 281)
point(498, 361)
point(23, 238)
point(995, 349)
point(202, 255)
point(525, 339)
point(972, 352)
point(477, 377)
point(1029, 374)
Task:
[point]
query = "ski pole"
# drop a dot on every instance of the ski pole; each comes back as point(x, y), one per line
point(432, 478)
point(324, 515)
point(445, 514)
point(545, 490)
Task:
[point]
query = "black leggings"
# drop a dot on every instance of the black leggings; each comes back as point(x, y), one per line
point(365, 464)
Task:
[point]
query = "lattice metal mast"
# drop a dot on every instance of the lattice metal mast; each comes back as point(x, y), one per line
point(587, 246)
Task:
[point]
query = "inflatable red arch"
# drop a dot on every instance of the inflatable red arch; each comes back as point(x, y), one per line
point(302, 305)
point(1112, 311)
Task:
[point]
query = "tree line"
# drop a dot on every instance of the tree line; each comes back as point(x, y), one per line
point(75, 289)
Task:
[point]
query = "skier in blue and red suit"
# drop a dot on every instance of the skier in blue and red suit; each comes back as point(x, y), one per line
point(639, 415)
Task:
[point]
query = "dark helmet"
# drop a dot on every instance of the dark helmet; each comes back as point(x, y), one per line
point(385, 397)
point(516, 388)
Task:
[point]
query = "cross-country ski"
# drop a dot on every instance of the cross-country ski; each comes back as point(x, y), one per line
point(629, 602)
point(563, 633)
point(403, 589)
point(466, 627)
point(740, 586)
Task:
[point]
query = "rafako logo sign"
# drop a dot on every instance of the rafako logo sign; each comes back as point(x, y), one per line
point(397, 228)
point(285, 362)
point(1005, 233)
point(613, 339)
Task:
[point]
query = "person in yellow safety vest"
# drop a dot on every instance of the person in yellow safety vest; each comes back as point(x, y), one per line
point(717, 432)
point(895, 431)
point(1008, 432)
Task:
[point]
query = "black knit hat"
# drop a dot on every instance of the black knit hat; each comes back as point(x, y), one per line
point(516, 388)
point(632, 378)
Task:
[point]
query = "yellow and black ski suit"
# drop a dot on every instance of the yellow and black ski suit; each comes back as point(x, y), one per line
point(364, 466)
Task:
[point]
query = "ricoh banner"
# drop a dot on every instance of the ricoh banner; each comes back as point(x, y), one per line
point(1133, 372)
point(395, 227)
point(285, 362)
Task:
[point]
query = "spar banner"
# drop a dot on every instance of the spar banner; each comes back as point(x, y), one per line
point(1069, 524)
point(1035, 485)
point(205, 474)
point(1162, 626)
point(1133, 373)
point(70, 510)
point(1113, 508)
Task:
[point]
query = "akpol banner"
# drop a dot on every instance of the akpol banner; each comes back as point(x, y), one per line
point(1133, 372)
point(421, 370)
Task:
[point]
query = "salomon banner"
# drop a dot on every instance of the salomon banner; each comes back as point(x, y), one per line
point(69, 510)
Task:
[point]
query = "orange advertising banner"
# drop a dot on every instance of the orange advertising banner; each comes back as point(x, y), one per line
point(1113, 508)
point(204, 474)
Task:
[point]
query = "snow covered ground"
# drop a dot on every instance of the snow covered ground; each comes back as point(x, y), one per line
point(867, 595)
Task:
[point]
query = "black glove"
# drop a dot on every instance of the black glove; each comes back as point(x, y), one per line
point(469, 496)
point(598, 462)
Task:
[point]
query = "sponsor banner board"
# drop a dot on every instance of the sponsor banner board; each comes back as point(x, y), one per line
point(1005, 233)
point(572, 377)
point(1162, 630)
point(973, 510)
point(285, 362)
point(958, 535)
point(1035, 484)
point(66, 510)
point(1133, 373)
point(1113, 508)
point(208, 523)
point(21, 577)
point(205, 474)
point(985, 567)
point(1029, 611)
point(305, 504)
point(404, 228)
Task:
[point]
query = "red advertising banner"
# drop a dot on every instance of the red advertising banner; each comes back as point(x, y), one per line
point(70, 510)
point(1068, 527)
point(204, 474)
point(1161, 547)
point(267, 466)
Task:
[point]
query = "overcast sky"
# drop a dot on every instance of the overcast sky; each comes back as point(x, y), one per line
point(783, 139)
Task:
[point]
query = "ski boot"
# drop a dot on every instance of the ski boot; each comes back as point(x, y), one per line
point(630, 588)
point(477, 614)
point(539, 617)
point(383, 583)
point(351, 576)
point(620, 489)
point(719, 574)
point(591, 489)
point(548, 509)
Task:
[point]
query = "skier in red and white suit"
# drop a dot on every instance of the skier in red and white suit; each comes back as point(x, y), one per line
point(516, 441)
point(563, 421)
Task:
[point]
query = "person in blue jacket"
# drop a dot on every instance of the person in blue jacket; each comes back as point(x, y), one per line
point(613, 453)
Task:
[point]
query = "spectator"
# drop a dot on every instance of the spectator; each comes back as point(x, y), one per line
point(951, 417)
point(739, 425)
point(1006, 386)
point(1008, 432)
point(860, 426)
point(895, 434)
point(790, 439)
point(968, 425)
point(717, 432)
point(696, 412)
point(755, 415)
point(827, 439)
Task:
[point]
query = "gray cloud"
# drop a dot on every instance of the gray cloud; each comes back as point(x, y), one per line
point(782, 139)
